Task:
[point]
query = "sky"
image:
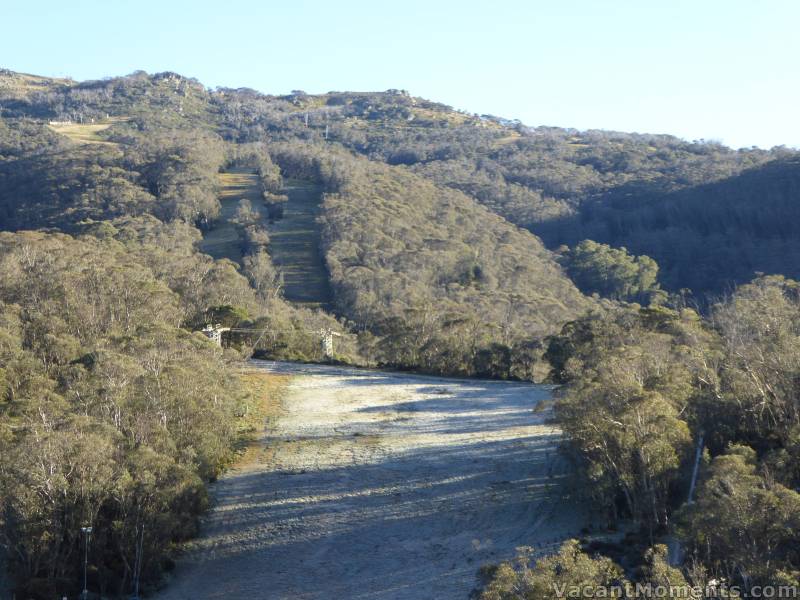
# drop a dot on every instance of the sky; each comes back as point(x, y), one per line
point(724, 70)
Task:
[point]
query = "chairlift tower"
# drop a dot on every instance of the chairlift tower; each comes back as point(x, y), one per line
point(214, 333)
point(326, 336)
point(87, 533)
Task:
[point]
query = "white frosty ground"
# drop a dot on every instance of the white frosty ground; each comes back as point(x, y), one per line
point(383, 486)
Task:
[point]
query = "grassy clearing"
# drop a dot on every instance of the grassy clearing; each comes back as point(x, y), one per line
point(239, 183)
point(509, 139)
point(224, 241)
point(86, 133)
point(295, 247)
point(450, 117)
point(266, 391)
point(294, 239)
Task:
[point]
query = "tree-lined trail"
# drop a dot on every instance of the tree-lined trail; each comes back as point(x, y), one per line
point(224, 240)
point(295, 246)
point(294, 238)
point(380, 485)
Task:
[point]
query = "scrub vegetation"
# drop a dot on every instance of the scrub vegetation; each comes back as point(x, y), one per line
point(651, 277)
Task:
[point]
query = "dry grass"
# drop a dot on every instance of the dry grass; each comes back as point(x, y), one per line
point(295, 247)
point(86, 133)
point(294, 239)
point(238, 184)
point(266, 391)
point(224, 239)
point(510, 138)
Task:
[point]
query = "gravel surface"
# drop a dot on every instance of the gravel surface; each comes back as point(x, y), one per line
point(380, 485)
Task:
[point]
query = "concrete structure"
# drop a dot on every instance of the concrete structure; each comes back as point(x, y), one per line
point(327, 341)
point(214, 332)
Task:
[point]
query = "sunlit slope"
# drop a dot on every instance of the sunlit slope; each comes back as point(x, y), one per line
point(400, 246)
point(86, 133)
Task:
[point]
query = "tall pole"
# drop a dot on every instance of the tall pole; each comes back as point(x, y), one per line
point(697, 457)
point(87, 531)
point(138, 564)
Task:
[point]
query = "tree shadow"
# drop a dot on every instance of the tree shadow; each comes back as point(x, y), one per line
point(413, 523)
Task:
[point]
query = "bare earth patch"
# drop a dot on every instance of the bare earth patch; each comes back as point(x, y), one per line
point(382, 486)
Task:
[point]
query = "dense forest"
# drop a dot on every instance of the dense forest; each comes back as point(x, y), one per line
point(711, 217)
point(453, 243)
point(644, 389)
point(445, 285)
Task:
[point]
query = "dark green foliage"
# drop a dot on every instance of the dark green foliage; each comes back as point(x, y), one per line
point(643, 384)
point(611, 272)
point(574, 573)
point(746, 522)
point(630, 376)
point(110, 414)
point(554, 576)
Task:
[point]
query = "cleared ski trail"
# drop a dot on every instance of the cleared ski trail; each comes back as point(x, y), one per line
point(382, 486)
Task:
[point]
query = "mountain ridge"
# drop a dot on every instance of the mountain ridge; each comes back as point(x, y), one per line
point(563, 185)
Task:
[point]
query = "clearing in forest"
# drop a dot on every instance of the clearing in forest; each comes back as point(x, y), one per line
point(295, 246)
point(223, 239)
point(382, 486)
point(86, 133)
point(294, 239)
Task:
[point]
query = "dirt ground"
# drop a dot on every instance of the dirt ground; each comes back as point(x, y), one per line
point(378, 485)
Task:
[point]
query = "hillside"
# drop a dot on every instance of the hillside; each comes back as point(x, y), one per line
point(441, 277)
point(563, 185)
point(710, 216)
point(401, 252)
point(136, 210)
point(676, 201)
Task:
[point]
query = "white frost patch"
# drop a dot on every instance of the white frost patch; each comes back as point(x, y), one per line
point(383, 486)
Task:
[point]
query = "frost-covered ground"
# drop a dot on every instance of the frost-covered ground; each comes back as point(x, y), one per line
point(385, 486)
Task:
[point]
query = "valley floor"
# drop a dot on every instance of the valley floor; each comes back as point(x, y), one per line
point(374, 485)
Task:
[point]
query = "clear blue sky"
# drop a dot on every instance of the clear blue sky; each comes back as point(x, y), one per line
point(713, 69)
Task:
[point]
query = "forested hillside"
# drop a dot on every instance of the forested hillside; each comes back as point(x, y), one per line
point(441, 283)
point(452, 243)
point(429, 278)
point(710, 216)
point(106, 190)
